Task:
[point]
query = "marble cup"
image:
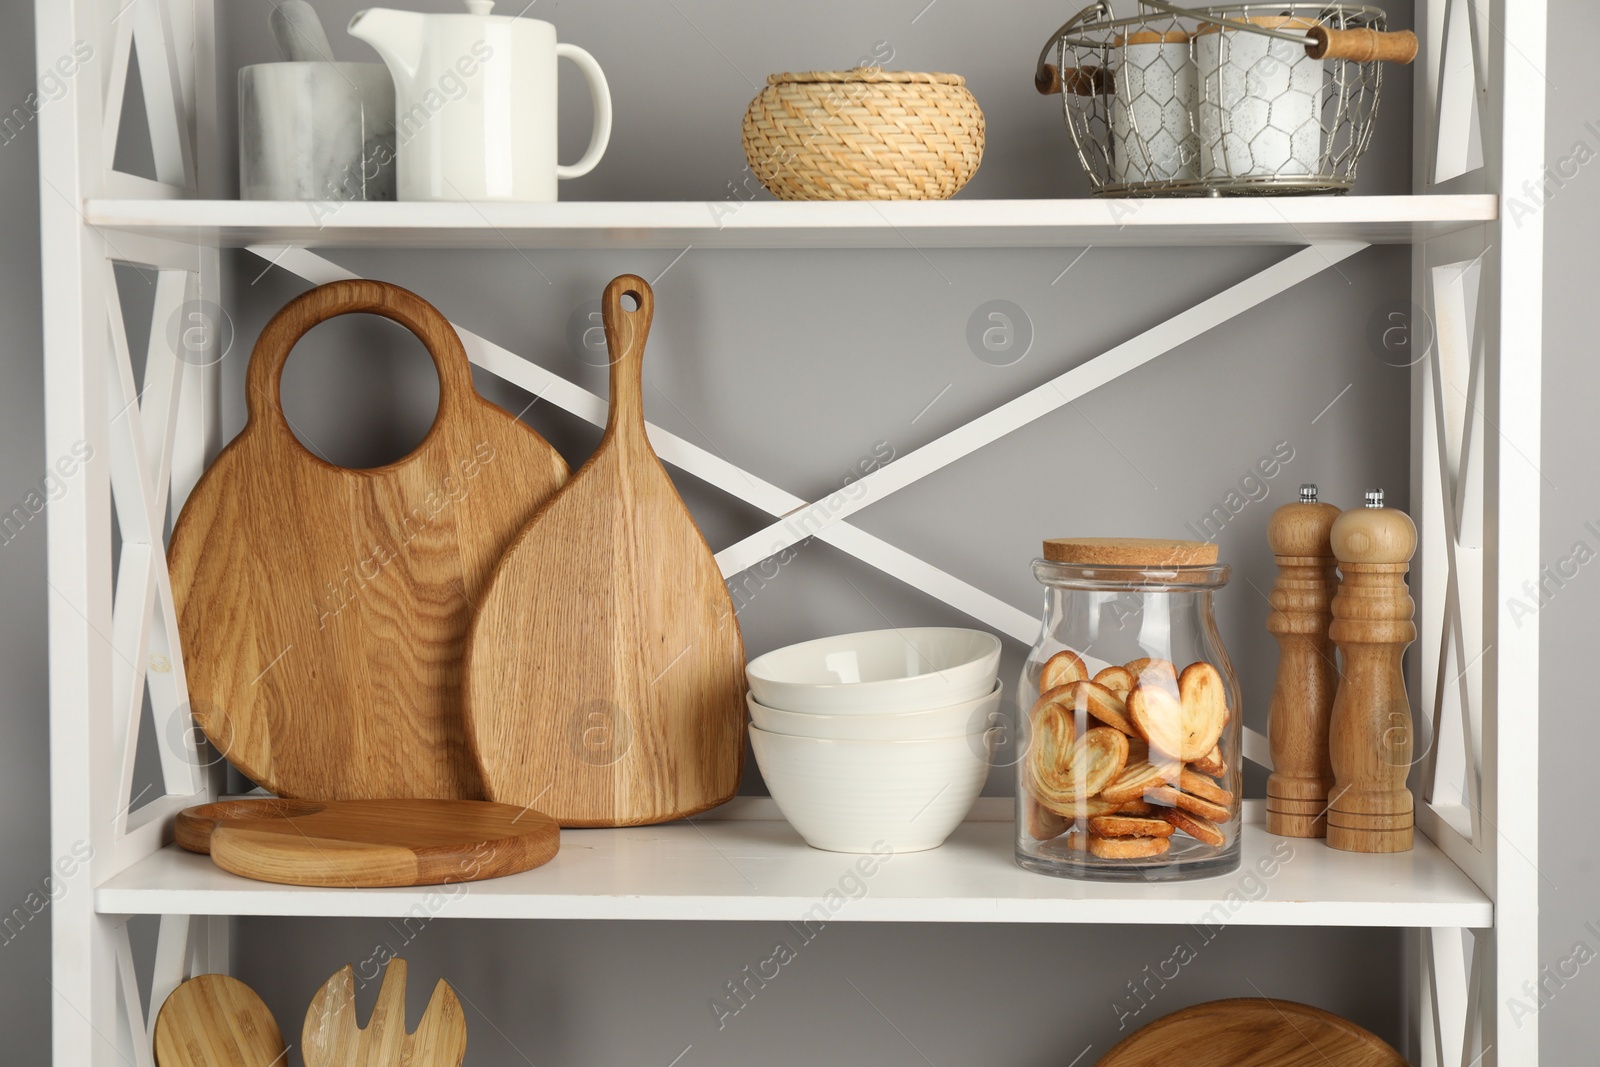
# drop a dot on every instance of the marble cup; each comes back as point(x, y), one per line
point(316, 131)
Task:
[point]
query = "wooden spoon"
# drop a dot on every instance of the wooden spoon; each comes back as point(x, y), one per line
point(332, 1038)
point(213, 1020)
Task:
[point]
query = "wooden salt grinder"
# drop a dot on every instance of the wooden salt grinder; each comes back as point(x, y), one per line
point(1302, 697)
point(1369, 741)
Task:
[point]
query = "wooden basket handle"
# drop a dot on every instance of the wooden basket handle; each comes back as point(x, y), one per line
point(1079, 81)
point(264, 400)
point(1363, 45)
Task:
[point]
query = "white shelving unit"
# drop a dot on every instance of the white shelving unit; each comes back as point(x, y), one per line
point(780, 224)
point(1468, 892)
point(746, 863)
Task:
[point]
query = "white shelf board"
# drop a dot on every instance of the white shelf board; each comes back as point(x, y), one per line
point(745, 863)
point(776, 224)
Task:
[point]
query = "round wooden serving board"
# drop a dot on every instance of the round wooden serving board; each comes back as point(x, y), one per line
point(363, 843)
point(605, 671)
point(213, 1020)
point(1252, 1032)
point(324, 610)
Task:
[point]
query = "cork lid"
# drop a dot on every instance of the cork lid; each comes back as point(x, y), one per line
point(1130, 552)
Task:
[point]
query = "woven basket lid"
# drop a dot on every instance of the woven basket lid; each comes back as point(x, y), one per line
point(864, 74)
point(1130, 552)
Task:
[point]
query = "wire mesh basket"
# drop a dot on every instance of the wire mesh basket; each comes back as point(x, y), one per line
point(1231, 99)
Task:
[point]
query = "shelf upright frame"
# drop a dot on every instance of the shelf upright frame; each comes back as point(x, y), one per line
point(136, 448)
point(1475, 327)
point(1479, 111)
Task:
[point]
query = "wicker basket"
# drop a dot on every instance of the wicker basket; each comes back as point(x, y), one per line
point(864, 134)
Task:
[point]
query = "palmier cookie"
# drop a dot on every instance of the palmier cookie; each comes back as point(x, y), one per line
point(1133, 783)
point(1173, 798)
point(1063, 667)
point(1211, 763)
point(1205, 709)
point(1129, 826)
point(1127, 848)
point(1117, 679)
point(1154, 671)
point(1136, 807)
point(1104, 705)
point(1202, 830)
point(1158, 716)
point(1042, 823)
point(1204, 788)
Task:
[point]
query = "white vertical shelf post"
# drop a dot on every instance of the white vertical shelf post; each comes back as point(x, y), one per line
point(100, 658)
point(84, 771)
point(1476, 488)
point(1514, 401)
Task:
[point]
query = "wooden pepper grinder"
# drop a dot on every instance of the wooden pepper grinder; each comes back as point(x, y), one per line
point(1302, 697)
point(1370, 738)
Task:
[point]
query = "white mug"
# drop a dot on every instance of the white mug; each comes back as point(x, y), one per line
point(475, 103)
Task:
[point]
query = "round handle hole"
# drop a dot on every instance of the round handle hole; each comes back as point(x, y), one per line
point(631, 301)
point(360, 391)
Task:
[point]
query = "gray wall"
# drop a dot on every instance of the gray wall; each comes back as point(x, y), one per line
point(1569, 880)
point(796, 365)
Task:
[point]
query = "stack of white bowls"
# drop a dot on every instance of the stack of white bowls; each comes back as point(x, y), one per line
point(878, 738)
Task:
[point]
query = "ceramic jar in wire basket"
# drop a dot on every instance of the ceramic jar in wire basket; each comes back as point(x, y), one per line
point(864, 134)
point(1236, 98)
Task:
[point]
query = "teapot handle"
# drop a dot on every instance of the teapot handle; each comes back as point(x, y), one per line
point(600, 93)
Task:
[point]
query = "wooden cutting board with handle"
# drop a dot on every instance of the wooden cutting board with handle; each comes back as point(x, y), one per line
point(604, 670)
point(323, 610)
point(213, 1020)
point(1252, 1032)
point(363, 843)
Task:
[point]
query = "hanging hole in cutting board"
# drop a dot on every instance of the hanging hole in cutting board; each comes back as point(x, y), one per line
point(360, 391)
point(630, 301)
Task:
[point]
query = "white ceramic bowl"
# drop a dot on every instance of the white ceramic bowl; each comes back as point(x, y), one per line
point(958, 720)
point(850, 796)
point(878, 671)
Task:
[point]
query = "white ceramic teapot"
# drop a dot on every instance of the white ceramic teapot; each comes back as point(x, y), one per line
point(475, 102)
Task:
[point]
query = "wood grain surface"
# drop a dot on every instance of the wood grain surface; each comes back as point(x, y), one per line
point(605, 670)
point(332, 1036)
point(213, 1020)
point(1369, 735)
point(362, 843)
point(1252, 1032)
point(324, 610)
point(1308, 675)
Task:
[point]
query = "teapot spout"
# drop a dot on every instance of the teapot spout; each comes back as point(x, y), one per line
point(397, 36)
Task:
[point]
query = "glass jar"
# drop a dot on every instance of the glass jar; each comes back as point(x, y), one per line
point(1128, 716)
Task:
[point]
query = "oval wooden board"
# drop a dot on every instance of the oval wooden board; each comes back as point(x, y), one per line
point(324, 610)
point(1253, 1032)
point(213, 1020)
point(365, 843)
point(605, 671)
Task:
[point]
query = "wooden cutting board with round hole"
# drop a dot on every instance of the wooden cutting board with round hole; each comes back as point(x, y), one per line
point(365, 843)
point(604, 670)
point(1253, 1032)
point(324, 610)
